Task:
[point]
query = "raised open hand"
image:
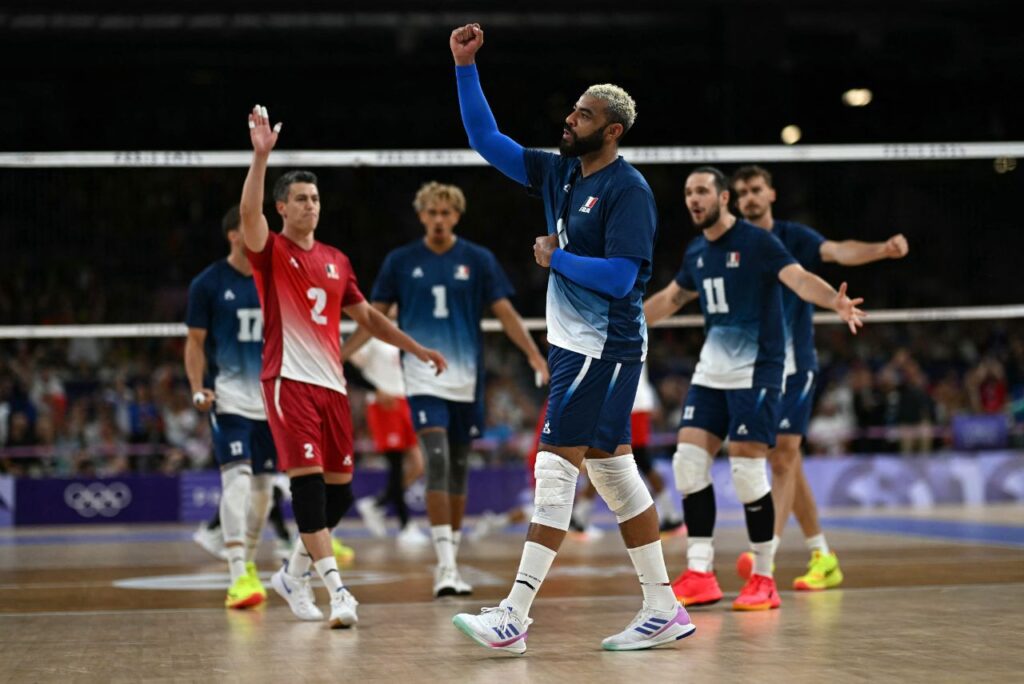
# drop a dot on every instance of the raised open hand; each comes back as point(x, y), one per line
point(263, 137)
point(847, 309)
point(464, 42)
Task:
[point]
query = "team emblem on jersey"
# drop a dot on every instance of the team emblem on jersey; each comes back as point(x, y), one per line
point(700, 262)
point(417, 272)
point(229, 296)
point(462, 272)
point(332, 272)
point(565, 188)
point(293, 262)
point(732, 260)
point(588, 205)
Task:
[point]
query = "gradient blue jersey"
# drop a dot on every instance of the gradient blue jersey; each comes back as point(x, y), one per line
point(610, 213)
point(441, 299)
point(223, 302)
point(804, 243)
point(737, 280)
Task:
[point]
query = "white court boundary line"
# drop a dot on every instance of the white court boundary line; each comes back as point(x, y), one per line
point(143, 330)
point(541, 600)
point(907, 151)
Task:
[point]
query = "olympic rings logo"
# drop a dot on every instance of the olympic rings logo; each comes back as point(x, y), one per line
point(98, 499)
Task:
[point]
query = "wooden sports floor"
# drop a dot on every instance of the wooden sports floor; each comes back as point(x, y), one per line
point(929, 597)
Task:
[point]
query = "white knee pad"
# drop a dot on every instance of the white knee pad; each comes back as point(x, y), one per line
point(692, 468)
point(750, 478)
point(556, 489)
point(236, 483)
point(618, 482)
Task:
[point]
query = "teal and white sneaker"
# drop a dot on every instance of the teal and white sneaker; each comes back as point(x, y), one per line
point(651, 628)
point(499, 628)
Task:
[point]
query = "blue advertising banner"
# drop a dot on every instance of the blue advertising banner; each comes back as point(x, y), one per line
point(152, 498)
point(496, 489)
point(6, 500)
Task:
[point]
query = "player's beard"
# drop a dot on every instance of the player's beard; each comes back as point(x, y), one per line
point(577, 147)
point(710, 219)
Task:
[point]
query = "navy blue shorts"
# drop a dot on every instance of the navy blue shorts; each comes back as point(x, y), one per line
point(744, 415)
point(589, 401)
point(460, 418)
point(242, 439)
point(797, 402)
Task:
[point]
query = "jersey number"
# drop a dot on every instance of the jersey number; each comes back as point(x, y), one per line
point(440, 301)
point(319, 297)
point(250, 325)
point(714, 295)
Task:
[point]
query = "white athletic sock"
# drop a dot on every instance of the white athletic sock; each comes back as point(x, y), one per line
point(649, 561)
point(443, 545)
point(764, 556)
point(236, 561)
point(327, 568)
point(533, 568)
point(700, 554)
point(665, 503)
point(581, 511)
point(775, 545)
point(299, 563)
point(818, 543)
point(456, 540)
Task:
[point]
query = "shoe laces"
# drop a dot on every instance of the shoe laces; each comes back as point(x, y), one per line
point(505, 615)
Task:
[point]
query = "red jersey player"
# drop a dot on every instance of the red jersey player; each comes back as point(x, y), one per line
point(303, 286)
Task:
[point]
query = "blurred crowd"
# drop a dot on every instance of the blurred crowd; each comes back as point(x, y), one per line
point(106, 407)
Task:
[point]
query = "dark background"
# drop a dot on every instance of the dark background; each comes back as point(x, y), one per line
point(119, 245)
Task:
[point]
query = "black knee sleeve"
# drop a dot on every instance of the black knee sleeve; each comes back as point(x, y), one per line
point(699, 512)
point(309, 502)
point(760, 519)
point(458, 470)
point(435, 449)
point(339, 499)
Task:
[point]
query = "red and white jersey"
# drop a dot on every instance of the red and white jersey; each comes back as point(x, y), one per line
point(302, 293)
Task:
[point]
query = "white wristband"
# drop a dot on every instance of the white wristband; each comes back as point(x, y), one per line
point(198, 398)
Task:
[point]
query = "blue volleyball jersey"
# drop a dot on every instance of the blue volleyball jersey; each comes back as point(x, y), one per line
point(737, 280)
point(610, 213)
point(804, 243)
point(441, 299)
point(223, 302)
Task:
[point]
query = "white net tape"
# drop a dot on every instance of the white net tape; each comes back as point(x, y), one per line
point(126, 330)
point(925, 151)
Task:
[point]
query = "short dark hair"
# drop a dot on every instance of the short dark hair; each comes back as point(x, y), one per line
point(231, 221)
point(745, 173)
point(284, 183)
point(720, 182)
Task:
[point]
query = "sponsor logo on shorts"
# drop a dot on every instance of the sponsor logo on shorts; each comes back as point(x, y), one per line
point(547, 427)
point(688, 413)
point(785, 424)
point(347, 461)
point(742, 430)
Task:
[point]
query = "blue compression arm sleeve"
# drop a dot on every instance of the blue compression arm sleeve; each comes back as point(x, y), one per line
point(614, 277)
point(501, 151)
